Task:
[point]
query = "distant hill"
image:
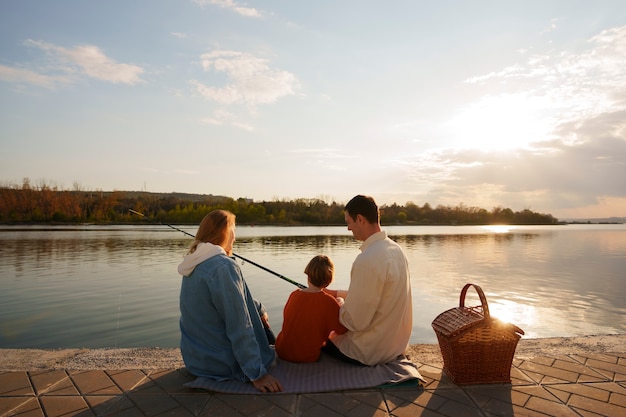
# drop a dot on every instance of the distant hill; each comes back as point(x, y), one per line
point(620, 220)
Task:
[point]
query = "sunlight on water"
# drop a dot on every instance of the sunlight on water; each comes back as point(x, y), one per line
point(498, 228)
point(514, 313)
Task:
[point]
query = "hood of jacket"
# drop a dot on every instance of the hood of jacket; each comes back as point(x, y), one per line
point(203, 252)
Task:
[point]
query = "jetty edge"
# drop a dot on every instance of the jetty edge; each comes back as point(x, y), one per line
point(170, 358)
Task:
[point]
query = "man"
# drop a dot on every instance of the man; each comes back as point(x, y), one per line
point(378, 306)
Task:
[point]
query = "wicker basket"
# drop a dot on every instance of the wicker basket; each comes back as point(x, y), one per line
point(476, 348)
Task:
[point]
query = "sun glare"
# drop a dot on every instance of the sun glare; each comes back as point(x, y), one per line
point(503, 122)
point(511, 312)
point(499, 228)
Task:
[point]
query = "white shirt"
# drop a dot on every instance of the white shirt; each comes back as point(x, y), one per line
point(378, 310)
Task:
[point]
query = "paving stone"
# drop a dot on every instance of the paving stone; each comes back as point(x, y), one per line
point(588, 385)
point(412, 410)
point(395, 399)
point(375, 399)
point(286, 402)
point(153, 404)
point(249, 405)
point(585, 413)
point(338, 402)
point(195, 403)
point(520, 378)
point(618, 399)
point(106, 405)
point(216, 407)
point(55, 382)
point(307, 407)
point(363, 409)
point(128, 380)
point(543, 360)
point(456, 409)
point(19, 406)
point(428, 399)
point(545, 374)
point(15, 383)
point(595, 406)
point(94, 382)
point(585, 374)
point(612, 370)
point(171, 380)
point(65, 406)
point(584, 390)
point(485, 394)
point(551, 408)
point(518, 412)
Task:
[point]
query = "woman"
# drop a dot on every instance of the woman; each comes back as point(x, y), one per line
point(222, 334)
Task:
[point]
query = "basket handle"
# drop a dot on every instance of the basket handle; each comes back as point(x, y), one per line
point(481, 294)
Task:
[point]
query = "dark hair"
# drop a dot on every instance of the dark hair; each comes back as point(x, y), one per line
point(365, 206)
point(320, 271)
point(214, 228)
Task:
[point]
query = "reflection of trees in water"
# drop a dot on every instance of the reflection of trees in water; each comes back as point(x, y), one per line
point(407, 241)
point(43, 253)
point(412, 241)
point(298, 242)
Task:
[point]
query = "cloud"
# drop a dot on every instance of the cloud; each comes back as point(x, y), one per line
point(26, 76)
point(231, 5)
point(554, 175)
point(572, 82)
point(250, 79)
point(578, 101)
point(67, 65)
point(224, 118)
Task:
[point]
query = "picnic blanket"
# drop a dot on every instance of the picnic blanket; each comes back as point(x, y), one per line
point(327, 374)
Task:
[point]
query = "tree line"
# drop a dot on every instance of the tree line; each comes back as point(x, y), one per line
point(49, 204)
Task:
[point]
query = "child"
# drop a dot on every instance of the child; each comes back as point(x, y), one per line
point(310, 315)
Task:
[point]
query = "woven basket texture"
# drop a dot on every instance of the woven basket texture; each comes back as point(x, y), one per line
point(476, 348)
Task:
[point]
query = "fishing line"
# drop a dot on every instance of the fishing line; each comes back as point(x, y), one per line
point(297, 284)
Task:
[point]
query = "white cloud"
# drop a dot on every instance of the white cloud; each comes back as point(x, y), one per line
point(224, 118)
point(26, 76)
point(575, 84)
point(231, 5)
point(571, 108)
point(251, 79)
point(88, 60)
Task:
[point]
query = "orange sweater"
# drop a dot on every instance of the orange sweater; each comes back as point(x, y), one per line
point(308, 319)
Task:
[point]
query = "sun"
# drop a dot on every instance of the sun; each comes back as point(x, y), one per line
point(501, 122)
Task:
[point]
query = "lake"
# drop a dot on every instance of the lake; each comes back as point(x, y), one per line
point(117, 286)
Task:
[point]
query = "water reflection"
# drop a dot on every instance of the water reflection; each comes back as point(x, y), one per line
point(118, 286)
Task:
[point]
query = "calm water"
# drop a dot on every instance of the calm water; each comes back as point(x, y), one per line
point(117, 286)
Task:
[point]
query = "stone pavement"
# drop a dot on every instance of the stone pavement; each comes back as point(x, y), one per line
point(589, 384)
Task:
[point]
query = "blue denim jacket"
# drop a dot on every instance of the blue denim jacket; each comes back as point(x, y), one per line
point(222, 336)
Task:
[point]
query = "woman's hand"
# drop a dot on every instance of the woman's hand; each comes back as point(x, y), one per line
point(265, 319)
point(267, 383)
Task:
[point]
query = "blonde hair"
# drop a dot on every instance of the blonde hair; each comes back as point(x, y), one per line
point(320, 270)
point(214, 228)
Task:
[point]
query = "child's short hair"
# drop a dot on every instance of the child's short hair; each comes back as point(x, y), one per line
point(320, 271)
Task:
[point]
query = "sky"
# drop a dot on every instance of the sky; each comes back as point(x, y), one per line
point(518, 105)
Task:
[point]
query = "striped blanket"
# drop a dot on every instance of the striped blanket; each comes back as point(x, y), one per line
point(327, 374)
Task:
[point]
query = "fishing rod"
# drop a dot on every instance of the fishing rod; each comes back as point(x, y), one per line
point(297, 284)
